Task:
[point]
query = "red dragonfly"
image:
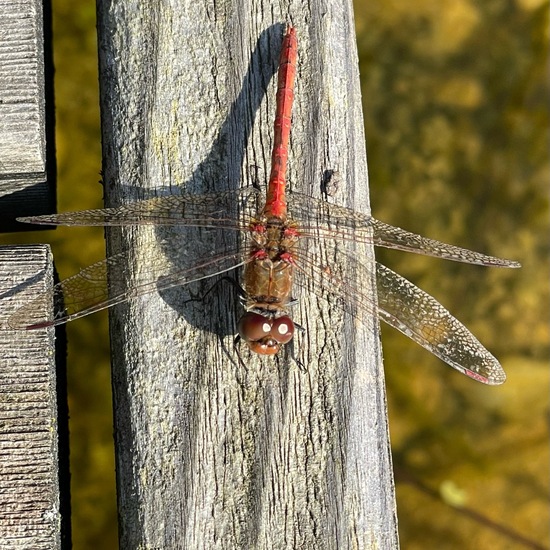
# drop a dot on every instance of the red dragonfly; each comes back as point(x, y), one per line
point(274, 258)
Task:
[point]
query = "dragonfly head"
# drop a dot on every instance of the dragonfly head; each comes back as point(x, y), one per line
point(265, 334)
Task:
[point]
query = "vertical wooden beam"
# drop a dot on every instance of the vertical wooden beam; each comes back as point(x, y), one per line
point(27, 149)
point(34, 475)
point(34, 480)
point(214, 451)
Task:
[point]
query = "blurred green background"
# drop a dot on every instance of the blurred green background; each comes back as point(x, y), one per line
point(455, 98)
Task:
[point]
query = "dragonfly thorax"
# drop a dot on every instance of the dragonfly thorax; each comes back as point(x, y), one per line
point(267, 277)
point(274, 235)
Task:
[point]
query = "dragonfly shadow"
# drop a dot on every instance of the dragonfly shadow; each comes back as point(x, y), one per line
point(23, 286)
point(211, 304)
point(185, 246)
point(222, 166)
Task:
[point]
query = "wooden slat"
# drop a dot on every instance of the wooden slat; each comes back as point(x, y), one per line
point(31, 462)
point(212, 453)
point(27, 166)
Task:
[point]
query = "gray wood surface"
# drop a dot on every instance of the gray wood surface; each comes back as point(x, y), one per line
point(213, 452)
point(33, 511)
point(27, 165)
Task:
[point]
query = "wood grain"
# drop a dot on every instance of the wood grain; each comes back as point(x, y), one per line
point(33, 464)
point(27, 163)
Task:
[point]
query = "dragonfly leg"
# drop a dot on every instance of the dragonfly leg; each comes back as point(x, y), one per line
point(291, 349)
point(226, 279)
point(237, 350)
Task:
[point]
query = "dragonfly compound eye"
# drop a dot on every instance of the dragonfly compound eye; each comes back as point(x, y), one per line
point(254, 327)
point(282, 330)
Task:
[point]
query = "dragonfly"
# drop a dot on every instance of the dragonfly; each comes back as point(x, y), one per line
point(286, 240)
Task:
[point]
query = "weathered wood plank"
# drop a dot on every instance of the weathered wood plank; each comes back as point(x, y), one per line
point(212, 453)
point(33, 512)
point(27, 164)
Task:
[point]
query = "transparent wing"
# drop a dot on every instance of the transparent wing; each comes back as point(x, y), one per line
point(423, 319)
point(234, 209)
point(320, 219)
point(108, 282)
point(402, 305)
point(215, 210)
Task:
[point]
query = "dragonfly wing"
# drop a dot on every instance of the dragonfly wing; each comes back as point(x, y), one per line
point(422, 318)
point(108, 282)
point(389, 236)
point(215, 210)
point(402, 305)
point(320, 219)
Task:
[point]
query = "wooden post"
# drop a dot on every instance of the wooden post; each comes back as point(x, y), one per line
point(27, 148)
point(34, 480)
point(34, 458)
point(214, 451)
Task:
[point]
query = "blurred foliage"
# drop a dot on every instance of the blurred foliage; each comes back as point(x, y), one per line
point(455, 98)
point(456, 117)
